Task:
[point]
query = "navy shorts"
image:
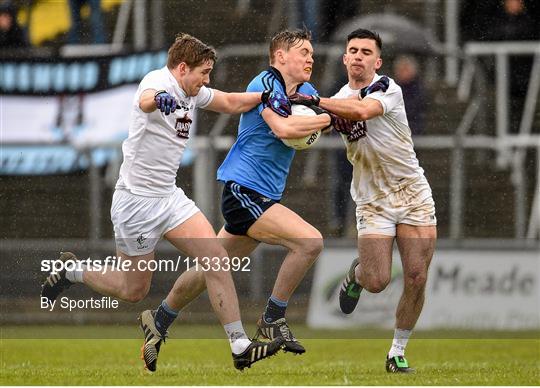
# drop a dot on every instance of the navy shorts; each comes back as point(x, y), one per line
point(241, 207)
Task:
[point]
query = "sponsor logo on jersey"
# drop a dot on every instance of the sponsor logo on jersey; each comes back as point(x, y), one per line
point(360, 129)
point(182, 126)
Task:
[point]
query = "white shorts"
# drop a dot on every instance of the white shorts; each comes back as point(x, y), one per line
point(412, 205)
point(139, 222)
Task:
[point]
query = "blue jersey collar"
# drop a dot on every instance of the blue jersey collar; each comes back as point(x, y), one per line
point(279, 77)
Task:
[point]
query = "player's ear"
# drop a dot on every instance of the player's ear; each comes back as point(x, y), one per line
point(182, 68)
point(280, 56)
point(378, 63)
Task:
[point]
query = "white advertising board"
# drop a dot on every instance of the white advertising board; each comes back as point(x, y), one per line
point(469, 289)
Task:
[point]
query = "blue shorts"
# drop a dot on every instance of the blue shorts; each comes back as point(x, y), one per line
point(241, 207)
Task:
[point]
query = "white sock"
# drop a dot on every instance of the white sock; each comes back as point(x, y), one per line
point(76, 275)
point(399, 343)
point(238, 338)
point(240, 345)
point(356, 272)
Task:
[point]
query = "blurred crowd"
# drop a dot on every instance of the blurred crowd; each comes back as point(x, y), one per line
point(12, 35)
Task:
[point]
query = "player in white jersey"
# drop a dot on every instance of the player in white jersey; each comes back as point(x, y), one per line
point(393, 198)
point(147, 205)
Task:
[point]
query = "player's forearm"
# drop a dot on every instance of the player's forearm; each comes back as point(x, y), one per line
point(242, 102)
point(295, 127)
point(147, 101)
point(348, 108)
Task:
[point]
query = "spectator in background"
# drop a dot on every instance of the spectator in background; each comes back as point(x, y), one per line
point(476, 17)
point(512, 22)
point(321, 17)
point(11, 33)
point(406, 76)
point(96, 21)
point(306, 13)
point(335, 12)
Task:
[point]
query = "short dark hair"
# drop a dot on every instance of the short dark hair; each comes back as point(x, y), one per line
point(189, 50)
point(286, 39)
point(365, 34)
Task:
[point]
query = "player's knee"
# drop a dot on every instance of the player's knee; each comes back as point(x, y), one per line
point(312, 247)
point(216, 265)
point(375, 284)
point(315, 248)
point(216, 253)
point(135, 293)
point(415, 280)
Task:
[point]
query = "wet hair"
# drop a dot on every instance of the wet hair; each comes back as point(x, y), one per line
point(286, 39)
point(189, 50)
point(365, 34)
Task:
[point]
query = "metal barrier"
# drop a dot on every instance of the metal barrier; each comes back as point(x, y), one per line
point(206, 186)
point(506, 155)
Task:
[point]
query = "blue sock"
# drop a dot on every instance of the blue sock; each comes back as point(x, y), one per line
point(275, 309)
point(164, 317)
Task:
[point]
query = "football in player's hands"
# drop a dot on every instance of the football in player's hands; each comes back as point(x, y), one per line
point(307, 141)
point(319, 111)
point(305, 99)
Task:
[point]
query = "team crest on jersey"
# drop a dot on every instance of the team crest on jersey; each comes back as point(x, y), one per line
point(180, 104)
point(141, 242)
point(182, 126)
point(362, 222)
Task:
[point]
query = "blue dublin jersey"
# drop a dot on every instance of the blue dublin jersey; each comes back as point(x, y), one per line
point(258, 159)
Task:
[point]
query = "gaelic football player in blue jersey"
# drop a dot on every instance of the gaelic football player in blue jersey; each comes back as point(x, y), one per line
point(254, 175)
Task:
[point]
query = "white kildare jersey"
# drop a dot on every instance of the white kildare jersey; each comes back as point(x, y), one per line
point(156, 143)
point(383, 159)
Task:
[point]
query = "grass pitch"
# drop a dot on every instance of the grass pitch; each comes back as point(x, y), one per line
point(332, 361)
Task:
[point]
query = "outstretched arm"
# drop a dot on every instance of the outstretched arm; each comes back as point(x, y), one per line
point(147, 100)
point(233, 103)
point(353, 108)
point(242, 102)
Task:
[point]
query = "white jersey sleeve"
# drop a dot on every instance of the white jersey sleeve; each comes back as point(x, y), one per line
point(383, 160)
point(205, 97)
point(152, 80)
point(391, 100)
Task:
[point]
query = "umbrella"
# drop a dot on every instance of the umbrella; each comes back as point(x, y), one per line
point(397, 32)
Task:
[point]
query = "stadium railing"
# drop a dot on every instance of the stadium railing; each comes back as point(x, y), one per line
point(510, 148)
